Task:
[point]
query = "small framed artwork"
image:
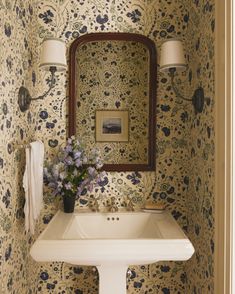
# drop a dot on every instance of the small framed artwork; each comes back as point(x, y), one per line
point(112, 126)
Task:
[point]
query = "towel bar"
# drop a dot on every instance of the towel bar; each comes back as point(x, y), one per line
point(19, 146)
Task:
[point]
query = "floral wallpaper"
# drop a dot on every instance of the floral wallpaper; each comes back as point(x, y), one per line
point(114, 76)
point(184, 176)
point(201, 171)
point(16, 65)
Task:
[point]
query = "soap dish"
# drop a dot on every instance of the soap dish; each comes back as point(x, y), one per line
point(153, 210)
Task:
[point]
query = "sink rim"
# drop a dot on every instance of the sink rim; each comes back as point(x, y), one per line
point(144, 226)
point(96, 252)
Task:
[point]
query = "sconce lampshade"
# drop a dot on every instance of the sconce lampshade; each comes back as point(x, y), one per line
point(172, 56)
point(53, 54)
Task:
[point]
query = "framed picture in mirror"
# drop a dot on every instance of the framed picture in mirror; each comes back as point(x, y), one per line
point(112, 126)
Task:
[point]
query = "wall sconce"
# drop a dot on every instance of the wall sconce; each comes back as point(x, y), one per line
point(53, 58)
point(172, 60)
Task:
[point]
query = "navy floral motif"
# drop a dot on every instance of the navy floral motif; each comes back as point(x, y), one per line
point(78, 270)
point(7, 27)
point(134, 15)
point(164, 268)
point(137, 285)
point(8, 253)
point(166, 291)
point(134, 178)
point(102, 20)
point(43, 114)
point(6, 198)
point(47, 218)
point(50, 286)
point(165, 108)
point(47, 16)
point(102, 183)
point(166, 131)
point(1, 162)
point(44, 276)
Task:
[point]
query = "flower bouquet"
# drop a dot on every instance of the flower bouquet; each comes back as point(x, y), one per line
point(73, 173)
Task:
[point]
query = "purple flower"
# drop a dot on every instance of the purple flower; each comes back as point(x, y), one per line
point(68, 160)
point(102, 183)
point(91, 170)
point(71, 170)
point(90, 187)
point(79, 191)
point(77, 154)
point(68, 186)
point(68, 148)
point(78, 162)
point(70, 140)
point(63, 175)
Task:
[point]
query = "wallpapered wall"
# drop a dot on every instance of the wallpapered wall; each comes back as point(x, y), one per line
point(200, 195)
point(185, 149)
point(130, 61)
point(15, 69)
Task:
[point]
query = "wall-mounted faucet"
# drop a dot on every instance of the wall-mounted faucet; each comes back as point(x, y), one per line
point(111, 204)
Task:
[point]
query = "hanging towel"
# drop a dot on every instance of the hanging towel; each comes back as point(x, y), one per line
point(33, 184)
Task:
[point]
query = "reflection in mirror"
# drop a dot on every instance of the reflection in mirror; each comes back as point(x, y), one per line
point(111, 101)
point(113, 78)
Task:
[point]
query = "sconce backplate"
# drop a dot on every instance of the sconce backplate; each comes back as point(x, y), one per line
point(198, 100)
point(24, 99)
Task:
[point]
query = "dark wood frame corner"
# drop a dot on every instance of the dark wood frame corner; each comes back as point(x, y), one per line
point(151, 165)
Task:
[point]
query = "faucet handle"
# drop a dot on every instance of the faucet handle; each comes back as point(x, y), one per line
point(129, 204)
point(94, 204)
point(113, 205)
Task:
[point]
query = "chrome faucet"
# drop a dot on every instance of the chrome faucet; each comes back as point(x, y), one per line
point(112, 205)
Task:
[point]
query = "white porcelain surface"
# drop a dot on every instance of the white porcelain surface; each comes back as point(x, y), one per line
point(127, 238)
point(111, 242)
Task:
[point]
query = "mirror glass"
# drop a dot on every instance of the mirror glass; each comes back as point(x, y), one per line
point(111, 100)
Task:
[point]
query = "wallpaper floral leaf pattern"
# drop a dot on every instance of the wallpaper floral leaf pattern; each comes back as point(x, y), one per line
point(114, 76)
point(184, 177)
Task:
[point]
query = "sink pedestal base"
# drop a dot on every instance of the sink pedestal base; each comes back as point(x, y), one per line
point(112, 279)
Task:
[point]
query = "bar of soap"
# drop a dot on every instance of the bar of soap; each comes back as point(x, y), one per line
point(157, 206)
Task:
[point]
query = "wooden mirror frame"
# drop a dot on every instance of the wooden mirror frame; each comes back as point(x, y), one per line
point(150, 165)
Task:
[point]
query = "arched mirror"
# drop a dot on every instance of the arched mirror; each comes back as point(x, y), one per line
point(112, 98)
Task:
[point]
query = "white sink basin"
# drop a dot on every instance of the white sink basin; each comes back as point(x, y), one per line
point(112, 226)
point(112, 242)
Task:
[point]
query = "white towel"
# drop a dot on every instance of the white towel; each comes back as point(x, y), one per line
point(33, 184)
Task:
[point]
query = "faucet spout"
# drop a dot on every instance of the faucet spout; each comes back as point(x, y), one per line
point(94, 204)
point(130, 204)
point(112, 206)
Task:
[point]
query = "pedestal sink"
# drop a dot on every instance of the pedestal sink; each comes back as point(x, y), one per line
point(112, 242)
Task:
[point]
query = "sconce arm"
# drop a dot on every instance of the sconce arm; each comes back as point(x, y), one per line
point(177, 93)
point(24, 97)
point(198, 98)
point(52, 70)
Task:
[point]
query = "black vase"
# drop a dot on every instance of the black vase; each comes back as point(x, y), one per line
point(69, 203)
